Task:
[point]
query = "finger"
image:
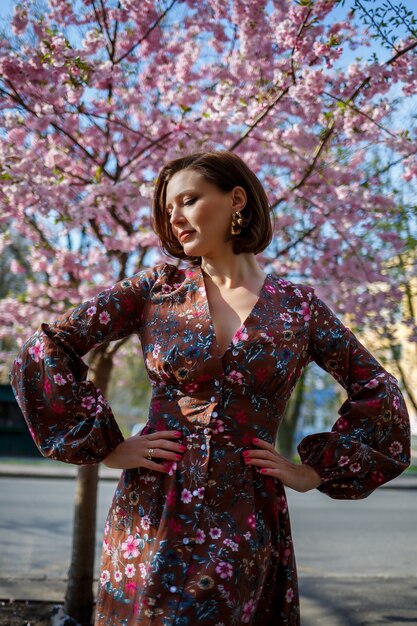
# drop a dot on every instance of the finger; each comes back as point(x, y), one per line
point(262, 463)
point(160, 453)
point(172, 434)
point(156, 467)
point(165, 444)
point(262, 443)
point(261, 454)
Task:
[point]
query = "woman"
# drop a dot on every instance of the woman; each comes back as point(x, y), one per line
point(198, 531)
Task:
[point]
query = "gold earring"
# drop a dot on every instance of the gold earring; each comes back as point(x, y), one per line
point(236, 225)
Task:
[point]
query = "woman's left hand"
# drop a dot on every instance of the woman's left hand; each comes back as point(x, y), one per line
point(299, 477)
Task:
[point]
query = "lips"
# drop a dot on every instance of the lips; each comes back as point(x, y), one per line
point(184, 234)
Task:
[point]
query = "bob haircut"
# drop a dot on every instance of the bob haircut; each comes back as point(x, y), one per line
point(225, 170)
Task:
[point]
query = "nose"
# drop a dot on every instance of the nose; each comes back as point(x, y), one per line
point(176, 217)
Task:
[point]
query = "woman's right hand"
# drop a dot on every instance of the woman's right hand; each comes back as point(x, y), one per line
point(133, 452)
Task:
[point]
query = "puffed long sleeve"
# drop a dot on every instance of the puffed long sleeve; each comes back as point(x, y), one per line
point(68, 417)
point(370, 442)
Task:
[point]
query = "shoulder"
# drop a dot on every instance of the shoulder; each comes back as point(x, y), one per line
point(292, 290)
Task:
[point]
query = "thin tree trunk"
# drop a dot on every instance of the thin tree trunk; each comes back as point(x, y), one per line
point(79, 597)
point(290, 418)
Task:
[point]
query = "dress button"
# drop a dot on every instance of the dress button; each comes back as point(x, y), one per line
point(173, 589)
point(185, 540)
point(217, 382)
point(213, 399)
point(207, 431)
point(214, 414)
point(203, 446)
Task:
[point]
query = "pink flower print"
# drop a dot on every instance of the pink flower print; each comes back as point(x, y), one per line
point(283, 504)
point(156, 350)
point(289, 595)
point(104, 577)
point(231, 544)
point(298, 293)
point(144, 569)
point(170, 467)
point(130, 548)
point(145, 522)
point(241, 417)
point(344, 460)
point(355, 467)
point(251, 521)
point(59, 380)
point(248, 609)
point(37, 351)
point(200, 536)
point(286, 317)
point(70, 377)
point(118, 575)
point(240, 335)
point(130, 570)
point(395, 448)
point(186, 496)
point(166, 288)
point(91, 310)
point(235, 377)
point(215, 533)
point(87, 402)
point(47, 386)
point(171, 497)
point(224, 569)
point(270, 289)
point(217, 426)
point(199, 492)
point(378, 477)
point(283, 282)
point(372, 383)
point(247, 536)
point(396, 402)
point(305, 311)
point(104, 318)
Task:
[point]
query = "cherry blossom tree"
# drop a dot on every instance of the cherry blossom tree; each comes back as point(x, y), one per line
point(97, 94)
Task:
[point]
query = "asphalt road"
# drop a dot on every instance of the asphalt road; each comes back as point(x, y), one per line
point(357, 560)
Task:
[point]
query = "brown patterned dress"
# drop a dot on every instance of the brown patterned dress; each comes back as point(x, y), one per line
point(210, 541)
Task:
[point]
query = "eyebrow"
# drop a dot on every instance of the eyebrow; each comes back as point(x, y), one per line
point(179, 195)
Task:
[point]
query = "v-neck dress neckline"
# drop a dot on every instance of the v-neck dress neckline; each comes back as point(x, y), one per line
point(243, 324)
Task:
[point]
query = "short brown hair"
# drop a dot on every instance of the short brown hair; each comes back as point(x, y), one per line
point(225, 170)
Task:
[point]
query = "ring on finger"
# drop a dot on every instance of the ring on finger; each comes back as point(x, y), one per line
point(150, 454)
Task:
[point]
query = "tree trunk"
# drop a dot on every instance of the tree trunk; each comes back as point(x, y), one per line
point(290, 418)
point(79, 596)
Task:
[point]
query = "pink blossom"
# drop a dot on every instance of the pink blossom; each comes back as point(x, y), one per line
point(344, 460)
point(251, 521)
point(186, 496)
point(91, 310)
point(104, 317)
point(305, 311)
point(37, 351)
point(248, 609)
point(396, 448)
point(118, 576)
point(355, 467)
point(215, 533)
point(104, 576)
point(59, 380)
point(224, 569)
point(289, 594)
point(235, 377)
point(200, 536)
point(130, 547)
point(130, 570)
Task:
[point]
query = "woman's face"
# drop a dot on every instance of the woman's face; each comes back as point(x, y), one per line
point(201, 213)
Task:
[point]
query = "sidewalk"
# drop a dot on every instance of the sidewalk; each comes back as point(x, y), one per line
point(46, 468)
point(325, 601)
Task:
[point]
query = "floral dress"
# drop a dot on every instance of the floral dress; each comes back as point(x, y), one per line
point(210, 541)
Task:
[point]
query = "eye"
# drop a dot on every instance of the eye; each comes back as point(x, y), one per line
point(191, 201)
